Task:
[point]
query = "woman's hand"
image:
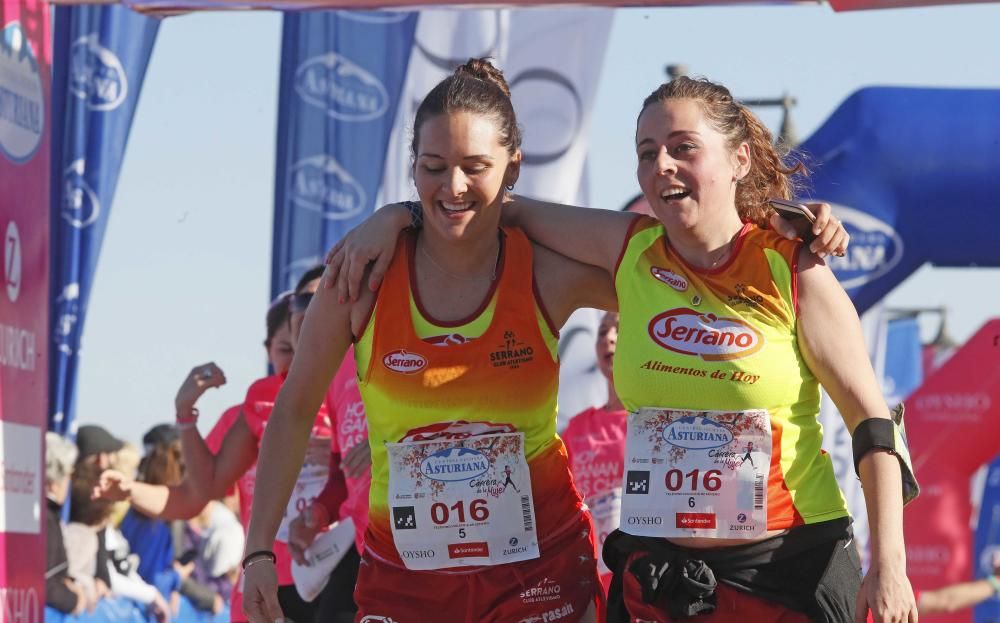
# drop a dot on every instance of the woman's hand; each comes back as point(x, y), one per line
point(260, 593)
point(160, 609)
point(886, 591)
point(831, 237)
point(198, 381)
point(374, 240)
point(357, 460)
point(112, 485)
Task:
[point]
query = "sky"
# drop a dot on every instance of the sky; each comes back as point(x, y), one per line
point(183, 276)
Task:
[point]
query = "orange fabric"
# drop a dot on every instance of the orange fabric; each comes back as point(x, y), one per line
point(505, 378)
point(556, 587)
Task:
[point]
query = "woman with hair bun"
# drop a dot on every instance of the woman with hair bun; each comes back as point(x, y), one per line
point(474, 515)
point(730, 510)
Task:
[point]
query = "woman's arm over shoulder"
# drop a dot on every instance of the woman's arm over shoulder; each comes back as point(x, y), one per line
point(566, 285)
point(588, 235)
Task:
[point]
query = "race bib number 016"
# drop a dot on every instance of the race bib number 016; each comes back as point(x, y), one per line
point(696, 473)
point(461, 503)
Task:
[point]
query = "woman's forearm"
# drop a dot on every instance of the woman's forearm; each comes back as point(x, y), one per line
point(199, 463)
point(586, 235)
point(282, 450)
point(881, 482)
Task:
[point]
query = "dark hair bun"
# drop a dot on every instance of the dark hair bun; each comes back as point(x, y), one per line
point(484, 70)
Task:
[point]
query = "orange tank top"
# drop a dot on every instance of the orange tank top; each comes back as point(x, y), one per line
point(506, 379)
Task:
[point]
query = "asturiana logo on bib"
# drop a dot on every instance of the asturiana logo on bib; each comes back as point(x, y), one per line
point(875, 248)
point(345, 90)
point(404, 362)
point(321, 184)
point(670, 278)
point(689, 332)
point(696, 433)
point(96, 74)
point(455, 464)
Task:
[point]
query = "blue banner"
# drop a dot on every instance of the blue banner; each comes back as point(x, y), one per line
point(342, 73)
point(903, 369)
point(987, 545)
point(99, 62)
point(913, 175)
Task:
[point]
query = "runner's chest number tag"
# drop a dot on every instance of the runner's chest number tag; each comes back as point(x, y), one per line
point(461, 503)
point(696, 473)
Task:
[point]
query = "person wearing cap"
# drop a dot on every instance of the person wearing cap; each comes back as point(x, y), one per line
point(97, 445)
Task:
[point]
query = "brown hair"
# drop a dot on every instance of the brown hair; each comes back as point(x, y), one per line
point(477, 87)
point(768, 176)
point(279, 314)
point(163, 464)
point(82, 509)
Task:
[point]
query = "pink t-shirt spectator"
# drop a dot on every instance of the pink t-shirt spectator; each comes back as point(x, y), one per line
point(350, 428)
point(595, 441)
point(256, 410)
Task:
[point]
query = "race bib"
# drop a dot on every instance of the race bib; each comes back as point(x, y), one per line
point(696, 473)
point(605, 508)
point(461, 503)
point(310, 483)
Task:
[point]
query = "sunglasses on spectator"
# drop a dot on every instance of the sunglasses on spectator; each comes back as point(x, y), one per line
point(300, 302)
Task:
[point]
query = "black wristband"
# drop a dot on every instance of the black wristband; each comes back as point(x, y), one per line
point(870, 434)
point(262, 553)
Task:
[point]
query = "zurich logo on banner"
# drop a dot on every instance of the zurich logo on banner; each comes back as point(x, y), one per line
point(345, 90)
point(96, 74)
point(875, 248)
point(320, 184)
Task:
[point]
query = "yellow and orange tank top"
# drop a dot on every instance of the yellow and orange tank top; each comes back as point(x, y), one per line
point(496, 371)
point(725, 340)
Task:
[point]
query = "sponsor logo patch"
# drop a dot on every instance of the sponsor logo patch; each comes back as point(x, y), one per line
point(708, 336)
point(637, 482)
point(696, 433)
point(696, 520)
point(670, 278)
point(455, 464)
point(404, 362)
point(480, 549)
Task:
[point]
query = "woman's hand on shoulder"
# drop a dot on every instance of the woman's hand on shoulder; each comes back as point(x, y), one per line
point(831, 237)
point(373, 241)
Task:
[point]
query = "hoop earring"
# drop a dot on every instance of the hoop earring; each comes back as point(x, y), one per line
point(509, 187)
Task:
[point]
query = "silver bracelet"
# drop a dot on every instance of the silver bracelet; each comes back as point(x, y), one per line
point(254, 561)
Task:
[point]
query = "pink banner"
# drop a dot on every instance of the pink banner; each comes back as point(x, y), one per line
point(25, 58)
point(170, 7)
point(951, 422)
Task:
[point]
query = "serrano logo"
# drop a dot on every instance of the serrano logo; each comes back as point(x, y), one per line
point(455, 464)
point(404, 362)
point(696, 433)
point(345, 90)
point(875, 248)
point(688, 332)
point(96, 75)
point(321, 184)
point(672, 279)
